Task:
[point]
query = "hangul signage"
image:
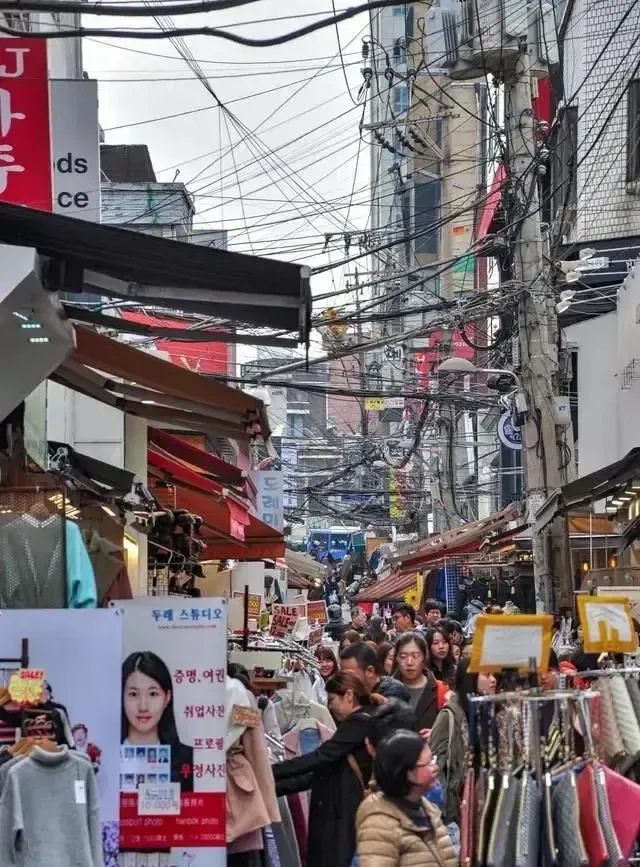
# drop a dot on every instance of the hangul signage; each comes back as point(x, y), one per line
point(25, 136)
point(285, 618)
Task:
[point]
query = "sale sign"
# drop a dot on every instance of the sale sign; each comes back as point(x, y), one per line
point(285, 618)
point(25, 137)
point(317, 612)
point(173, 754)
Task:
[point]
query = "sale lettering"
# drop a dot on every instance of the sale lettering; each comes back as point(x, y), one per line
point(285, 618)
point(25, 141)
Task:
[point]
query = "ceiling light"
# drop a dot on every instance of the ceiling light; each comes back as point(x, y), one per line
point(19, 315)
point(39, 340)
point(626, 498)
point(30, 325)
point(617, 502)
point(109, 511)
point(611, 510)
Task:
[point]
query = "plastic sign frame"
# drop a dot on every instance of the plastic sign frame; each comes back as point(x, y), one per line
point(534, 639)
point(609, 638)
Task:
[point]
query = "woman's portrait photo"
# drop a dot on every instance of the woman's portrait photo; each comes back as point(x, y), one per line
point(148, 716)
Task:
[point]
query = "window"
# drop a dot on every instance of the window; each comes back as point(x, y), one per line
point(295, 423)
point(633, 131)
point(398, 11)
point(296, 395)
point(425, 217)
point(400, 99)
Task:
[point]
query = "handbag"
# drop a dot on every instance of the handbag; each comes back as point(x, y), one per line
point(624, 803)
point(467, 819)
point(527, 848)
point(604, 812)
point(590, 826)
point(502, 841)
point(566, 819)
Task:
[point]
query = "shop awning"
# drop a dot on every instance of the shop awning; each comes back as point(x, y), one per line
point(107, 260)
point(205, 461)
point(467, 539)
point(90, 474)
point(303, 565)
point(261, 542)
point(144, 385)
point(590, 489)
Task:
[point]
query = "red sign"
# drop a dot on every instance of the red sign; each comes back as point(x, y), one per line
point(25, 137)
point(197, 356)
point(317, 613)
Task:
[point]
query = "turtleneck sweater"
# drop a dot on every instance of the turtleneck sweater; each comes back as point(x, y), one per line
point(49, 812)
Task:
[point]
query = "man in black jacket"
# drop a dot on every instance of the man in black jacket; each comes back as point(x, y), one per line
point(362, 660)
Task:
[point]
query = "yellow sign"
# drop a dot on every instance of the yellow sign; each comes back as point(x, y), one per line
point(27, 686)
point(509, 641)
point(255, 603)
point(374, 403)
point(607, 624)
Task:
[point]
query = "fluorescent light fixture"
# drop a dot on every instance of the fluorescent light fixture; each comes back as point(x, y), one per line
point(39, 340)
point(19, 315)
point(611, 509)
point(635, 485)
point(626, 498)
point(109, 511)
point(30, 325)
point(617, 502)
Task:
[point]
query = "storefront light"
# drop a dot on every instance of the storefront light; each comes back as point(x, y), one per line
point(611, 510)
point(618, 502)
point(109, 511)
point(30, 325)
point(39, 340)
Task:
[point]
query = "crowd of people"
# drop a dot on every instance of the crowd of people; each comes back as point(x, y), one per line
point(386, 788)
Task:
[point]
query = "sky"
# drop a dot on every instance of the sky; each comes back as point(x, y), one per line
point(294, 170)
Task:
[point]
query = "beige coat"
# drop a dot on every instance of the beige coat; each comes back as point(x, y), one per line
point(388, 838)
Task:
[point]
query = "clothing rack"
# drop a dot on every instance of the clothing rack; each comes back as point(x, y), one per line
point(604, 672)
point(23, 660)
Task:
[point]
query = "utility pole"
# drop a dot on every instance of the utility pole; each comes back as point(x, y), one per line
point(537, 325)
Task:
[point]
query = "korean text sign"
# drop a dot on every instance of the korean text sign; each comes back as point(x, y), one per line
point(25, 135)
point(285, 618)
point(173, 752)
point(270, 497)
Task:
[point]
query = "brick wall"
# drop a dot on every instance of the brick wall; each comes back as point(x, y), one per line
point(605, 208)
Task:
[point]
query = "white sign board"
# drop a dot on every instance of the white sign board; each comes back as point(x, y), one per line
point(76, 148)
point(269, 501)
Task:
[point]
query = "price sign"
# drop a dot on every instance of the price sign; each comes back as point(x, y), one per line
point(607, 624)
point(159, 799)
point(26, 686)
point(255, 603)
point(317, 613)
point(315, 636)
point(509, 641)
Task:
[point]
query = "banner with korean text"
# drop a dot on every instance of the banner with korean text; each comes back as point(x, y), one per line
point(25, 133)
point(173, 752)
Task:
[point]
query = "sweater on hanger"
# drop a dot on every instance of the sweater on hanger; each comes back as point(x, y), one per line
point(49, 813)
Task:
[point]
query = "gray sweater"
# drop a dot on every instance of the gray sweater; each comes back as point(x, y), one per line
point(49, 813)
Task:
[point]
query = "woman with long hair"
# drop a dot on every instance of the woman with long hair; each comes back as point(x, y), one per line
point(337, 773)
point(349, 637)
point(148, 717)
point(450, 735)
point(412, 670)
point(327, 667)
point(440, 659)
point(397, 826)
point(386, 656)
point(375, 630)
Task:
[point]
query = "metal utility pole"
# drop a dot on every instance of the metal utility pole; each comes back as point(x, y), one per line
point(537, 337)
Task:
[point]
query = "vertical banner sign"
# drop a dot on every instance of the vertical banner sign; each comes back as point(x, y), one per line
point(75, 147)
point(73, 662)
point(270, 507)
point(173, 753)
point(25, 140)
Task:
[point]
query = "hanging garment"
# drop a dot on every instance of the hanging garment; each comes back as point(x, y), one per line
point(527, 852)
point(291, 707)
point(633, 688)
point(502, 842)
point(548, 848)
point(485, 823)
point(49, 812)
point(251, 842)
point(285, 837)
point(590, 825)
point(604, 814)
point(612, 743)
point(566, 822)
point(32, 563)
point(625, 714)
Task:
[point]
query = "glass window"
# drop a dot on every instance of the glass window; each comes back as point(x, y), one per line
point(633, 131)
point(400, 99)
point(295, 424)
point(426, 216)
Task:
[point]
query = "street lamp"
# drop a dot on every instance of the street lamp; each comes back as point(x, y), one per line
point(465, 367)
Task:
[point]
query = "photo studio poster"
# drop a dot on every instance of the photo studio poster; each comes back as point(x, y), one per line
point(80, 653)
point(172, 753)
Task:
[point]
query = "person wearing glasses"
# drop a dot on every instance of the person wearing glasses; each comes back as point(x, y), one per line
point(397, 826)
point(412, 671)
